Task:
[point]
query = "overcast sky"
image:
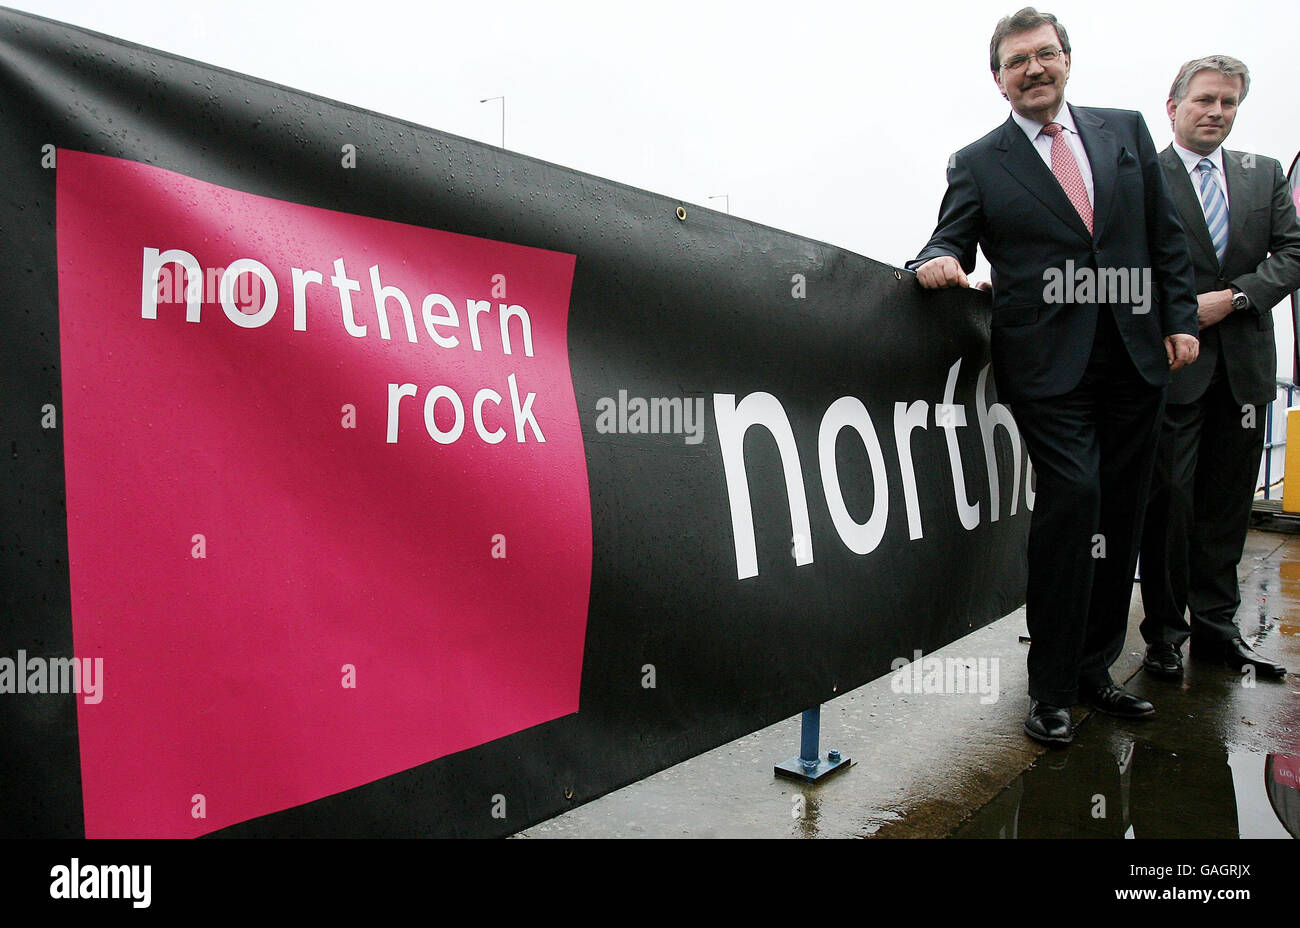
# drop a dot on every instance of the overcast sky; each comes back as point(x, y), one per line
point(829, 120)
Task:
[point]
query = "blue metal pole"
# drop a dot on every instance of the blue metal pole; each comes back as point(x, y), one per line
point(809, 756)
point(808, 766)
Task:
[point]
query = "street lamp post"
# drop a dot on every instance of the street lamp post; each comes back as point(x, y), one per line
point(503, 115)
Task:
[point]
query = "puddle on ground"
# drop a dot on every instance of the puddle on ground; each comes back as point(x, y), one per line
point(1220, 759)
point(1136, 790)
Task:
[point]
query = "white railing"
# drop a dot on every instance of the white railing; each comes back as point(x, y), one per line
point(1273, 463)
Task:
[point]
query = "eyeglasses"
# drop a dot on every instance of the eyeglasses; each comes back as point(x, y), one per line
point(1045, 56)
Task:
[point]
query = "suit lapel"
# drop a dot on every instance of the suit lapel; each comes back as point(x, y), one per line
point(1025, 165)
point(1103, 156)
point(1239, 201)
point(1189, 205)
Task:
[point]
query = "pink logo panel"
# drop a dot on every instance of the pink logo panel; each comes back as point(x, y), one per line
point(328, 512)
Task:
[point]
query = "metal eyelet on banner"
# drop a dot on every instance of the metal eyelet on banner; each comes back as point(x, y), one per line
point(681, 213)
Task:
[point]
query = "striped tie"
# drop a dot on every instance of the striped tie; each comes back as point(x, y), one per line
point(1216, 210)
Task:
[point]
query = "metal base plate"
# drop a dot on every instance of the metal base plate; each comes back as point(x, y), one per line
point(793, 769)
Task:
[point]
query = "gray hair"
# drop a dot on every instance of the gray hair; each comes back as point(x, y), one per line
point(1224, 64)
point(1024, 21)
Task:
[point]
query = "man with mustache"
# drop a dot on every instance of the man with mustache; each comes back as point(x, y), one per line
point(1245, 247)
point(1059, 187)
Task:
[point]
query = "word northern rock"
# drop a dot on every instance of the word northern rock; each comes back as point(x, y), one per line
point(439, 315)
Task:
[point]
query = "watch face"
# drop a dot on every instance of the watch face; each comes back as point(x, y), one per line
point(1240, 301)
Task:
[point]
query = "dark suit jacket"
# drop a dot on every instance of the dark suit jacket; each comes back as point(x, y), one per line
point(1003, 198)
point(1261, 219)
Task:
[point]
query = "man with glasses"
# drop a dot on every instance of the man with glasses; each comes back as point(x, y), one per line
point(1068, 203)
point(1245, 248)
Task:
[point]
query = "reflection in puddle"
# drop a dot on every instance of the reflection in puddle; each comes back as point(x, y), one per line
point(1289, 607)
point(1282, 781)
point(1136, 790)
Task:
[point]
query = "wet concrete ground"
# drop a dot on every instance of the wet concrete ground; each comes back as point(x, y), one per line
point(1220, 759)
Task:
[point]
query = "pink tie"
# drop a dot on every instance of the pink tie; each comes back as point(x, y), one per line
point(1067, 173)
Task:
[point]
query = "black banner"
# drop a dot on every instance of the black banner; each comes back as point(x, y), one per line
point(405, 486)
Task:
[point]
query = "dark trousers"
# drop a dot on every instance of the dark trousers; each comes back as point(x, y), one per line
point(1092, 451)
point(1207, 462)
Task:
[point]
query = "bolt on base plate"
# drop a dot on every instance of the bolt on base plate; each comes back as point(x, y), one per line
point(796, 769)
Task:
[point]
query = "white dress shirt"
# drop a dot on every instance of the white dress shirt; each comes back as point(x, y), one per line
point(1043, 143)
point(1191, 159)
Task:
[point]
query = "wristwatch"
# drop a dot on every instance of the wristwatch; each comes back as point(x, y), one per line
point(1239, 300)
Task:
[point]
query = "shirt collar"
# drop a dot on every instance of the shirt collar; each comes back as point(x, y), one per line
point(1032, 127)
point(1191, 159)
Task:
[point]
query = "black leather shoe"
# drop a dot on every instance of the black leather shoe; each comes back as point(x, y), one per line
point(1164, 660)
point(1237, 655)
point(1049, 724)
point(1115, 700)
